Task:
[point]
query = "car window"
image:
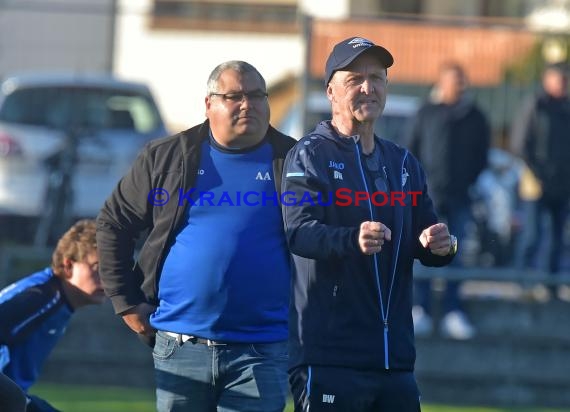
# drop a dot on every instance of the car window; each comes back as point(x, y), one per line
point(86, 107)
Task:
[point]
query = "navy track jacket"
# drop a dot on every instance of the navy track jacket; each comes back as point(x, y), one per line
point(349, 309)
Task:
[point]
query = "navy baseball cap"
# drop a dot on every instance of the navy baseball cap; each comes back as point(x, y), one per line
point(347, 50)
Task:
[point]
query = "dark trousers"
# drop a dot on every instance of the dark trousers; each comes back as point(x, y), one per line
point(12, 398)
point(328, 388)
point(534, 233)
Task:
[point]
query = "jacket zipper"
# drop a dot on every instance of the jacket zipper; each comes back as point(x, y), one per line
point(376, 271)
point(384, 313)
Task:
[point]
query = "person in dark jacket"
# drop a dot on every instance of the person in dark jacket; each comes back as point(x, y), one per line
point(36, 310)
point(211, 282)
point(451, 136)
point(357, 214)
point(540, 137)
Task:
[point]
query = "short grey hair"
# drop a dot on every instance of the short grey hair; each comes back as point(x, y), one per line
point(236, 65)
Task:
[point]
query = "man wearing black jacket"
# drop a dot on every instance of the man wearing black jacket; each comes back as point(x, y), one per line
point(540, 137)
point(211, 282)
point(357, 214)
point(450, 135)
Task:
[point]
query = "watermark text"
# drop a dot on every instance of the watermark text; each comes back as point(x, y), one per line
point(342, 197)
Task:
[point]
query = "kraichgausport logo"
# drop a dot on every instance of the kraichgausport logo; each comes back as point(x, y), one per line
point(342, 197)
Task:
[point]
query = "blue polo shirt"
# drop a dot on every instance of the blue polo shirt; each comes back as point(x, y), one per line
point(227, 275)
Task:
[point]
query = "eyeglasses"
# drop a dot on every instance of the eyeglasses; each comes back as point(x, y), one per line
point(254, 97)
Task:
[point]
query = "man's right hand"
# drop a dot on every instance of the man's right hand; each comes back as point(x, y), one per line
point(138, 319)
point(372, 236)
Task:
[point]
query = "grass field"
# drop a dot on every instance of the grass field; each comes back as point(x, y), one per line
point(70, 398)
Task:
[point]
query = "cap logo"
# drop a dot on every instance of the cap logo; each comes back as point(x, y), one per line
point(359, 42)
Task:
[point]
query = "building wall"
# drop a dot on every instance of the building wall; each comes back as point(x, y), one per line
point(420, 49)
point(452, 7)
point(64, 35)
point(177, 63)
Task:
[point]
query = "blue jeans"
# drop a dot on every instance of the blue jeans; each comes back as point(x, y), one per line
point(534, 234)
point(233, 377)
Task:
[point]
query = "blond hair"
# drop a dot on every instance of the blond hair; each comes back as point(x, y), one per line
point(78, 242)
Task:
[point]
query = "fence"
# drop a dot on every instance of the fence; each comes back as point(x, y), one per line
point(518, 358)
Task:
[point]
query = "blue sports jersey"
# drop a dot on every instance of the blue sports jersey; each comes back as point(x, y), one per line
point(227, 275)
point(33, 316)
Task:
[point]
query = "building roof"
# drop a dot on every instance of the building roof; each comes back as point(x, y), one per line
point(420, 49)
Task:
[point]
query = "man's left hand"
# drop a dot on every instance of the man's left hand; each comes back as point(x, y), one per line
point(437, 239)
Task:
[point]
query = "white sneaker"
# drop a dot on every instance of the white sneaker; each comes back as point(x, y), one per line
point(423, 324)
point(455, 325)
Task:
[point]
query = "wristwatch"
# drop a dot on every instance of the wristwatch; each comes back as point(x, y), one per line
point(453, 246)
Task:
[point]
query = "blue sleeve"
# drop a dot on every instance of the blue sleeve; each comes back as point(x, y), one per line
point(304, 192)
point(20, 313)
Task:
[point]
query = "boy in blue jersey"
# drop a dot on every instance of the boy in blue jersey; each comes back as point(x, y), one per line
point(35, 311)
point(211, 282)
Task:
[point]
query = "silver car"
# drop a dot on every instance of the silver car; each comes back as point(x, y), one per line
point(65, 141)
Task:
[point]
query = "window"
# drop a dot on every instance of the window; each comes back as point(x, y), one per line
point(258, 16)
point(62, 107)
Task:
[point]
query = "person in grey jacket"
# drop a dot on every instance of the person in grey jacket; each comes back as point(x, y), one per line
point(211, 282)
point(357, 214)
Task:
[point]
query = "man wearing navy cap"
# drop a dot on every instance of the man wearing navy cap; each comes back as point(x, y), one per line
point(364, 216)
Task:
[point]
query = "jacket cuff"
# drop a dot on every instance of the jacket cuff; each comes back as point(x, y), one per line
point(122, 303)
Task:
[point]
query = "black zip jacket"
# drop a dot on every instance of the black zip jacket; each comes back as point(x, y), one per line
point(170, 164)
point(540, 136)
point(452, 142)
point(349, 309)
